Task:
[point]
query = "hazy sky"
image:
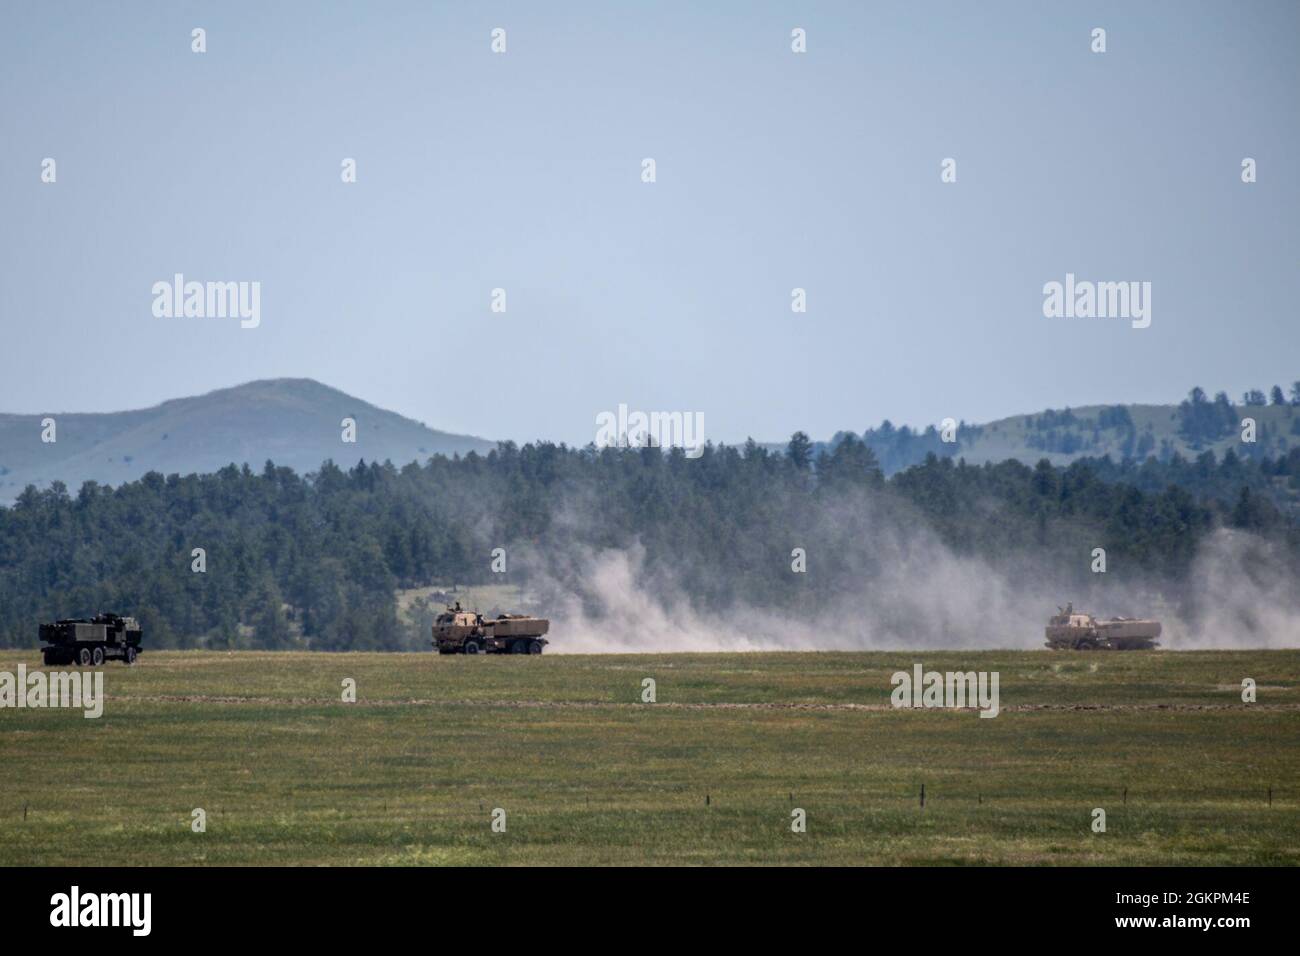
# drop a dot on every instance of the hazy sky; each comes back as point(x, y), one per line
point(775, 170)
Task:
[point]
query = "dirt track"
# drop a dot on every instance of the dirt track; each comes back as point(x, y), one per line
point(597, 705)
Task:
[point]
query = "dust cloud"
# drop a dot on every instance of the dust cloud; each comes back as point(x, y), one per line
point(898, 587)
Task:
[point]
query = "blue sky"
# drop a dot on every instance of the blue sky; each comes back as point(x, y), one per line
point(774, 171)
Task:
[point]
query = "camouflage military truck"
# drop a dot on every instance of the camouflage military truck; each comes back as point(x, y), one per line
point(1073, 630)
point(467, 632)
point(91, 642)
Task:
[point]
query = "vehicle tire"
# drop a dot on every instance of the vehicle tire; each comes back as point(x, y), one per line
point(472, 646)
point(534, 647)
point(130, 656)
point(97, 657)
point(518, 647)
point(83, 656)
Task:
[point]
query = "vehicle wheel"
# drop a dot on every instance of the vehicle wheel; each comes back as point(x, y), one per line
point(473, 646)
point(130, 656)
point(83, 657)
point(518, 647)
point(97, 657)
point(534, 647)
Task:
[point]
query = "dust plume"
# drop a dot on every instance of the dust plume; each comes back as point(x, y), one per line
point(878, 578)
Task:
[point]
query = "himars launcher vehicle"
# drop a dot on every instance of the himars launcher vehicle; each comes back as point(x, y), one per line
point(91, 642)
point(468, 632)
point(1074, 630)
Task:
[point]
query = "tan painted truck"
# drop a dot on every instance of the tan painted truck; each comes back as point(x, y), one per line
point(1077, 631)
point(456, 631)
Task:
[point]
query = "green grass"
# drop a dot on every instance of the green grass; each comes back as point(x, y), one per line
point(410, 774)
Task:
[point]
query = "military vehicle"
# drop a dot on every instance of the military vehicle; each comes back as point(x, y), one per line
point(1073, 630)
point(467, 632)
point(91, 642)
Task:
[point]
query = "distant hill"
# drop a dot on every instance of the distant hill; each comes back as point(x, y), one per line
point(1124, 431)
point(295, 422)
point(1064, 435)
point(291, 421)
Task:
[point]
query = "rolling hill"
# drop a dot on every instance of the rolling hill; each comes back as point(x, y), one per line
point(1062, 436)
point(296, 422)
point(1045, 435)
point(293, 422)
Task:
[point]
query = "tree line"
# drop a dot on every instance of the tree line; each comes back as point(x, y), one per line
point(292, 561)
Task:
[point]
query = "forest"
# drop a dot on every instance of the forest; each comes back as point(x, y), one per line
point(315, 561)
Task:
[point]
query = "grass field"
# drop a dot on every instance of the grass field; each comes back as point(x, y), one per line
point(587, 774)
